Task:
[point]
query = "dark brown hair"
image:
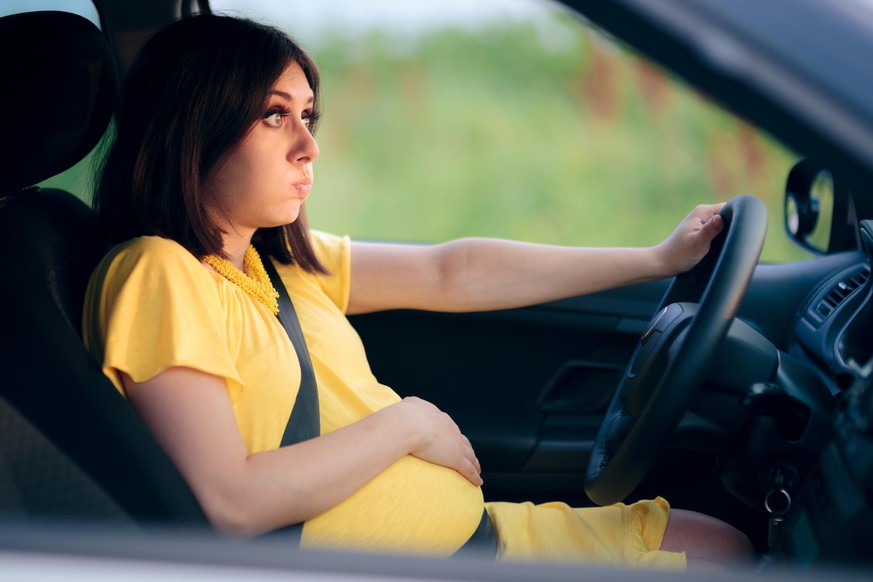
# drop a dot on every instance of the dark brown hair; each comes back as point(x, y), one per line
point(191, 95)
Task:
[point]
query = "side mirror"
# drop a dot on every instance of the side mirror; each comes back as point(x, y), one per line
point(809, 206)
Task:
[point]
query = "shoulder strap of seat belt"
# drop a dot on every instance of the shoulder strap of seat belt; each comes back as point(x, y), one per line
point(303, 423)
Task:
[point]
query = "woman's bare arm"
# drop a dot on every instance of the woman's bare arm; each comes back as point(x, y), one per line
point(484, 274)
point(191, 416)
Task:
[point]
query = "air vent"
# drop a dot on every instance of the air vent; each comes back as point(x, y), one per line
point(839, 292)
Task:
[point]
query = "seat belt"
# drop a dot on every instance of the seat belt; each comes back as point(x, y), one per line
point(303, 422)
point(483, 542)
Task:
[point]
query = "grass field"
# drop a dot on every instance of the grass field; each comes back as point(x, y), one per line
point(560, 138)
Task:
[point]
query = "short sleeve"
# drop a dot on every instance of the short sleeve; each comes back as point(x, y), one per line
point(334, 252)
point(151, 305)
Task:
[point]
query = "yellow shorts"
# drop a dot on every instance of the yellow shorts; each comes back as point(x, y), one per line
point(616, 535)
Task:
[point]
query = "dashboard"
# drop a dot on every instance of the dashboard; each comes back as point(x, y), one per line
point(833, 326)
point(828, 518)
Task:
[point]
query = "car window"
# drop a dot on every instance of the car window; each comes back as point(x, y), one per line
point(83, 8)
point(510, 118)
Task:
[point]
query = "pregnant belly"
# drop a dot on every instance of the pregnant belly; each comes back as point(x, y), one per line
point(412, 507)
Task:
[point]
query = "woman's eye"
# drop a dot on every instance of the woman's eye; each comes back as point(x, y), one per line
point(310, 119)
point(275, 118)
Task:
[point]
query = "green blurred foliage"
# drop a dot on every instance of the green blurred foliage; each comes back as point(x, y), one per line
point(507, 132)
point(549, 135)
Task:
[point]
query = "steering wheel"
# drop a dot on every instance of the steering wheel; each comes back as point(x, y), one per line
point(674, 354)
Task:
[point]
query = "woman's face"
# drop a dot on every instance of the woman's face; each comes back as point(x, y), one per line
point(264, 181)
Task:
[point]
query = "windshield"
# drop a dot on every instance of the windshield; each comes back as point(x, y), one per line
point(511, 119)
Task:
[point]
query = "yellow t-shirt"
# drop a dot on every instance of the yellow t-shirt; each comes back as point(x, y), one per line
point(151, 305)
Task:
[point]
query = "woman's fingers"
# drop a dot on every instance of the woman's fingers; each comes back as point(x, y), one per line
point(469, 471)
point(472, 455)
point(690, 241)
point(442, 441)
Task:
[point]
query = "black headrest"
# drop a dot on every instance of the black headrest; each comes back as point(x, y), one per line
point(59, 90)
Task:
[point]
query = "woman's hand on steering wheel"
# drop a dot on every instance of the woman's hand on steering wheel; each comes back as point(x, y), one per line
point(690, 241)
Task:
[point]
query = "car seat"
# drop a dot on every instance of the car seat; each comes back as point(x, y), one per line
point(70, 445)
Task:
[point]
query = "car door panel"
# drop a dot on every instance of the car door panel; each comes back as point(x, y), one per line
point(527, 386)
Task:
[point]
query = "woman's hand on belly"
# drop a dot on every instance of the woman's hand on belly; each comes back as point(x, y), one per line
point(441, 441)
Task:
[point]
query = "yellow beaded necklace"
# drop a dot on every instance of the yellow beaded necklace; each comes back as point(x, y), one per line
point(253, 281)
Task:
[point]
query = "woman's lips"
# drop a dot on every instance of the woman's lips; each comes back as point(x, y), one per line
point(303, 187)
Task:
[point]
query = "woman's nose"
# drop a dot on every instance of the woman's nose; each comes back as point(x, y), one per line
point(305, 147)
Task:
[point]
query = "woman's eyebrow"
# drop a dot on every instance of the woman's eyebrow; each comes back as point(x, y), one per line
point(288, 96)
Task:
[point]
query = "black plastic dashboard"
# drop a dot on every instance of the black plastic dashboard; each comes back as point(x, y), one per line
point(834, 324)
point(831, 520)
